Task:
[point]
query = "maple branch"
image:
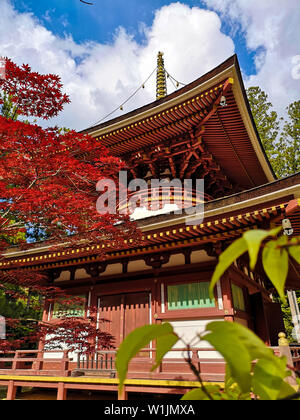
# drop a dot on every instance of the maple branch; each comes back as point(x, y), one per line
point(12, 204)
point(22, 195)
point(47, 181)
point(197, 374)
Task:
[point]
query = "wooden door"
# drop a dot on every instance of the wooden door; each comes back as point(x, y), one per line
point(275, 321)
point(109, 315)
point(136, 311)
point(121, 314)
point(259, 318)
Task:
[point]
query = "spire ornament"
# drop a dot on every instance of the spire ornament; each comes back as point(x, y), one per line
point(161, 84)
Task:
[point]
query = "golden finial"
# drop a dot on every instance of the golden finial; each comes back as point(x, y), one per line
point(161, 84)
point(282, 340)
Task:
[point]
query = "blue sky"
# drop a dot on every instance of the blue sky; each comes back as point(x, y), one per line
point(104, 52)
point(100, 21)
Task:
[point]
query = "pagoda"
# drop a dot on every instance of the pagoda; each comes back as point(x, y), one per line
point(205, 130)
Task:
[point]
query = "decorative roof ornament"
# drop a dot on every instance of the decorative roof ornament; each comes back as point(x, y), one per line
point(161, 84)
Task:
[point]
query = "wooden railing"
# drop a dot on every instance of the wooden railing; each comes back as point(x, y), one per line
point(102, 363)
point(99, 361)
point(295, 351)
point(34, 362)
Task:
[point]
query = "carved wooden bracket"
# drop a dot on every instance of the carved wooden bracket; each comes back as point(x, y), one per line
point(54, 274)
point(214, 249)
point(157, 260)
point(95, 269)
point(187, 255)
point(125, 266)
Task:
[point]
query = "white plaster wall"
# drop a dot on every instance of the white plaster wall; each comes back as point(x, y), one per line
point(200, 256)
point(113, 269)
point(64, 276)
point(139, 265)
point(80, 274)
point(177, 259)
point(188, 330)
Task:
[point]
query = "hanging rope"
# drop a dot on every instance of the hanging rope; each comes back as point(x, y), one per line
point(120, 107)
point(142, 86)
point(176, 87)
point(176, 81)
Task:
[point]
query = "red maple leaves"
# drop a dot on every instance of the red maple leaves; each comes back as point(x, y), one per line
point(48, 176)
point(33, 94)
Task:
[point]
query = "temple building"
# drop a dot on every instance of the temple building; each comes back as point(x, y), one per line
point(206, 131)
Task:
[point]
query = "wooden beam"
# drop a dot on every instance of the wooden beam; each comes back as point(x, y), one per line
point(185, 164)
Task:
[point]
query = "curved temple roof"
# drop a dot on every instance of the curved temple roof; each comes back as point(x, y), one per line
point(227, 133)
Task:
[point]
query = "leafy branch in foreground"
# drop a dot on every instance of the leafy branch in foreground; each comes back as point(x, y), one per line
point(252, 369)
point(275, 256)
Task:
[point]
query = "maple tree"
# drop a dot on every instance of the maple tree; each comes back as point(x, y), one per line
point(48, 180)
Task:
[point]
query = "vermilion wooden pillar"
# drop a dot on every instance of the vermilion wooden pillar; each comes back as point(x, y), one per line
point(61, 392)
point(11, 391)
point(227, 298)
point(123, 394)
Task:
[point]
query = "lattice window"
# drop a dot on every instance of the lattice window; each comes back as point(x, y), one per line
point(189, 296)
point(238, 298)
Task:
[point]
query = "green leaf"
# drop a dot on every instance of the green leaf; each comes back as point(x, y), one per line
point(294, 251)
point(276, 266)
point(232, 390)
point(254, 238)
point(164, 343)
point(199, 395)
point(268, 379)
point(229, 380)
point(240, 347)
point(139, 339)
point(285, 391)
point(231, 254)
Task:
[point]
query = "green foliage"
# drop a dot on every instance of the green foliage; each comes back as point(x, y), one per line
point(287, 316)
point(254, 239)
point(295, 250)
point(252, 369)
point(8, 109)
point(266, 120)
point(268, 379)
point(138, 339)
point(27, 307)
point(239, 347)
point(275, 256)
point(276, 265)
point(198, 394)
point(288, 159)
point(231, 254)
point(280, 139)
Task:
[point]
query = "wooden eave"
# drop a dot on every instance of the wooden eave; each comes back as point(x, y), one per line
point(229, 133)
point(244, 211)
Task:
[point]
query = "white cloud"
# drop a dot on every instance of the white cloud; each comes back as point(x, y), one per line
point(271, 25)
point(98, 77)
